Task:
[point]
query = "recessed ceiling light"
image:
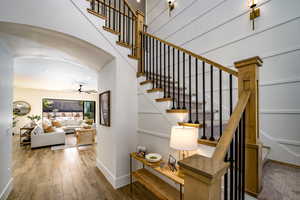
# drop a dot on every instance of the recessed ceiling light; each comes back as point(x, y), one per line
point(138, 1)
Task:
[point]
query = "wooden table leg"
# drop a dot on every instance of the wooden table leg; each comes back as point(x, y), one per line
point(130, 173)
point(181, 192)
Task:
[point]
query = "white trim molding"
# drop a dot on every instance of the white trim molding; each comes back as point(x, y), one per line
point(289, 142)
point(116, 182)
point(7, 189)
point(281, 112)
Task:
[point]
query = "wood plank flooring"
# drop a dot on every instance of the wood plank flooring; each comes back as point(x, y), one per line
point(43, 174)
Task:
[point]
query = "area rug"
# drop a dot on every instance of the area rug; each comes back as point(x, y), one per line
point(61, 147)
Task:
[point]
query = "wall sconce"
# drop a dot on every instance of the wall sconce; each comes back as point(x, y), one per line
point(171, 6)
point(255, 12)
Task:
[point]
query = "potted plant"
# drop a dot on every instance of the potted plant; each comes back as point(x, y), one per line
point(34, 119)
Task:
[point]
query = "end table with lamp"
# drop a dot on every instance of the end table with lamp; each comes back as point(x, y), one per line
point(182, 139)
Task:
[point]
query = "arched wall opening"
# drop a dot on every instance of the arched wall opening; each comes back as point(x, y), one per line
point(19, 42)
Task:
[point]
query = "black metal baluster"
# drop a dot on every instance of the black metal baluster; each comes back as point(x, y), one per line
point(243, 155)
point(119, 14)
point(203, 103)
point(93, 5)
point(123, 34)
point(114, 15)
point(128, 27)
point(150, 58)
point(157, 64)
point(102, 9)
point(98, 7)
point(164, 76)
point(220, 102)
point(142, 54)
point(226, 183)
point(146, 57)
point(153, 64)
point(160, 66)
point(231, 144)
point(173, 64)
point(109, 13)
point(236, 156)
point(212, 103)
point(196, 77)
point(240, 160)
point(169, 95)
point(190, 89)
point(183, 80)
point(178, 79)
point(132, 36)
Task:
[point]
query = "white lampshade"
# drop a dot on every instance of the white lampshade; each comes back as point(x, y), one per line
point(184, 138)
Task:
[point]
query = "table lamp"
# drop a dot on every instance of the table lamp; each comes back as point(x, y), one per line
point(184, 139)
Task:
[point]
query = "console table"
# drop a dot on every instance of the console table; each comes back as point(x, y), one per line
point(86, 136)
point(25, 134)
point(152, 182)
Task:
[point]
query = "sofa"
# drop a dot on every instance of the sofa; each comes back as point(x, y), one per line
point(41, 139)
point(69, 126)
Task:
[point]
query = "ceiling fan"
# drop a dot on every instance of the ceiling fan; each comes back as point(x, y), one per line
point(80, 90)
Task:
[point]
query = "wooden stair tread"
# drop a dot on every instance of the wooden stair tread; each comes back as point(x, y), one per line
point(190, 124)
point(155, 90)
point(111, 30)
point(123, 44)
point(208, 142)
point(146, 82)
point(96, 14)
point(133, 57)
point(164, 99)
point(177, 111)
point(156, 185)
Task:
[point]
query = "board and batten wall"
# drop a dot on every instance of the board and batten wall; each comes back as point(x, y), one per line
point(221, 30)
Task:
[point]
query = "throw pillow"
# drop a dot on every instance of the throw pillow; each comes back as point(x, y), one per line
point(45, 125)
point(38, 130)
point(56, 124)
point(50, 129)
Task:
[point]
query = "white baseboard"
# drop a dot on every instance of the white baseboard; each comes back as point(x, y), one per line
point(7, 189)
point(116, 182)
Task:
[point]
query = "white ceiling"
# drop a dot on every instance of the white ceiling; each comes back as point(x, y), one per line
point(50, 60)
point(45, 73)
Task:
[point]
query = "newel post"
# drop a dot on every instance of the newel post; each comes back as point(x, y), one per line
point(202, 177)
point(248, 79)
point(138, 43)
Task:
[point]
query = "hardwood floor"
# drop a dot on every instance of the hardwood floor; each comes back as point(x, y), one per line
point(42, 174)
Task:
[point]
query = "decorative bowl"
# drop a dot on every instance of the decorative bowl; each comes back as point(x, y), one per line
point(153, 157)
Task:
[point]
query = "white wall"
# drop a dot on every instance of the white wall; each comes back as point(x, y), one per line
point(34, 97)
point(72, 18)
point(6, 95)
point(221, 30)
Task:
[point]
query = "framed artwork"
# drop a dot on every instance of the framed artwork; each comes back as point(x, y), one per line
point(104, 104)
point(21, 108)
point(172, 163)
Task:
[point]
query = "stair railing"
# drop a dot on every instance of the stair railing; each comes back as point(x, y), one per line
point(237, 156)
point(193, 83)
point(122, 20)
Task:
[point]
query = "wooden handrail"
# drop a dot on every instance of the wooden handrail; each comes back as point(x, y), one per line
point(227, 136)
point(130, 7)
point(221, 67)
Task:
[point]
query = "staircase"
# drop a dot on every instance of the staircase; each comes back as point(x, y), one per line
point(196, 92)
